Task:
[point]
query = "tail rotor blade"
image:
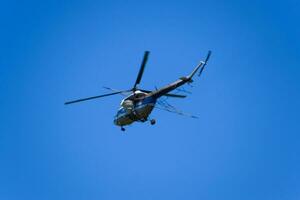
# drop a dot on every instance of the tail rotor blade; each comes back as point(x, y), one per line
point(205, 62)
point(208, 56)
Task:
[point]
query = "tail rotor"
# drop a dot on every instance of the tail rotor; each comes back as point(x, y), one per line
point(204, 63)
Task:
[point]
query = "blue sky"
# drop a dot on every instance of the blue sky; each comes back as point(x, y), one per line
point(245, 144)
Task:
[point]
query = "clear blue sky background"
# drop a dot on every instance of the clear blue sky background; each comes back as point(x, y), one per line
point(245, 144)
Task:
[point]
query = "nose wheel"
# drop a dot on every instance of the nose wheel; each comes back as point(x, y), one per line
point(152, 121)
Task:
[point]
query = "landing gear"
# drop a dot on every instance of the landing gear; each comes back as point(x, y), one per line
point(152, 121)
point(122, 128)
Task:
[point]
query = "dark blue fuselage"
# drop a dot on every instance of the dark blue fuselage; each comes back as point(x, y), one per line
point(142, 109)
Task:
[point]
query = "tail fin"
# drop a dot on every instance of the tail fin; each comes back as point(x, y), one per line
point(200, 65)
point(196, 69)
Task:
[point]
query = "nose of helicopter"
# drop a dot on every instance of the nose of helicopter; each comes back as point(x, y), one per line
point(116, 121)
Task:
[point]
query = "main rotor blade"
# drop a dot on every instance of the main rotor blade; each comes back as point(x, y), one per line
point(124, 93)
point(140, 74)
point(94, 97)
point(168, 107)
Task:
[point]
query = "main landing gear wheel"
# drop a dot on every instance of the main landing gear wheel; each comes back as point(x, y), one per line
point(152, 121)
point(122, 129)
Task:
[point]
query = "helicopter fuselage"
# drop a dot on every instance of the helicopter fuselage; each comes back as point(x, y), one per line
point(139, 105)
point(139, 110)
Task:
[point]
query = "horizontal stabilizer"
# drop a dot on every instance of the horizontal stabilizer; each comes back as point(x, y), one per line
point(175, 95)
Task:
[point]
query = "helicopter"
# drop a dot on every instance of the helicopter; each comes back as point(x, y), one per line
point(139, 103)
